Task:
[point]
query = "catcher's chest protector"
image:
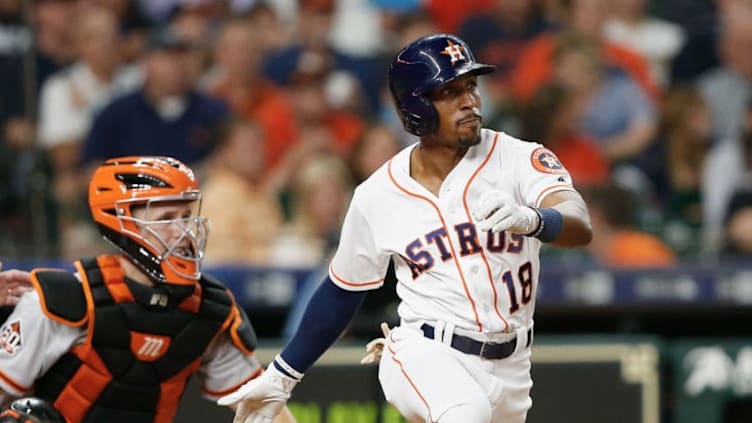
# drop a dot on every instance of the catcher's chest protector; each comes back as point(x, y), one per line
point(136, 360)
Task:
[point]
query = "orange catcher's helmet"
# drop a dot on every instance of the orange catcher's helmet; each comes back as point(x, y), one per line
point(121, 185)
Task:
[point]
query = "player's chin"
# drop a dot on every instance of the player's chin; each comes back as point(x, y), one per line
point(468, 137)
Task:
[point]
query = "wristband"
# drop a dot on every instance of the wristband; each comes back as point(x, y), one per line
point(287, 370)
point(550, 224)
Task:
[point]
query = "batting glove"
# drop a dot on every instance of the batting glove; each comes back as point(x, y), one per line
point(376, 347)
point(261, 399)
point(497, 211)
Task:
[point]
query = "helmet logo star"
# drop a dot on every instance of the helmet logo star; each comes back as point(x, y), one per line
point(454, 51)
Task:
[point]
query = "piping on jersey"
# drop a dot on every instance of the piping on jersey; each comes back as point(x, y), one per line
point(410, 381)
point(470, 219)
point(234, 388)
point(376, 282)
point(552, 188)
point(451, 244)
point(13, 384)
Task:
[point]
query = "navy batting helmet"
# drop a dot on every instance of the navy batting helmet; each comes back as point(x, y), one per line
point(426, 64)
point(31, 410)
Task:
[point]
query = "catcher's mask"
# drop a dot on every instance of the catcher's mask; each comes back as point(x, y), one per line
point(422, 66)
point(149, 207)
point(31, 410)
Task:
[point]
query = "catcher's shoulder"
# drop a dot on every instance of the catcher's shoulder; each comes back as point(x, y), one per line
point(61, 296)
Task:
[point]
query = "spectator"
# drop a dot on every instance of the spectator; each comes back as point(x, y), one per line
point(320, 195)
point(702, 23)
point(614, 112)
point(70, 98)
point(657, 40)
point(313, 105)
point(550, 118)
point(617, 241)
point(499, 36)
point(15, 44)
point(166, 117)
point(685, 137)
point(245, 214)
point(738, 225)
point(197, 24)
point(313, 41)
point(728, 88)
point(584, 17)
point(53, 36)
point(27, 217)
point(133, 26)
point(377, 145)
point(236, 77)
point(271, 32)
point(728, 169)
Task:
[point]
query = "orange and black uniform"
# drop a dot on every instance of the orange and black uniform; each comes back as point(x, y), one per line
point(139, 351)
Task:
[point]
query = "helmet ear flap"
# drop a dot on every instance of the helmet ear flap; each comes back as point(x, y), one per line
point(418, 115)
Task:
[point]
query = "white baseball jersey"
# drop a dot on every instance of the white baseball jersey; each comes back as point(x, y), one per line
point(32, 342)
point(446, 269)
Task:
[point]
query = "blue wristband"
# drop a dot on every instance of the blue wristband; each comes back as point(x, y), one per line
point(550, 226)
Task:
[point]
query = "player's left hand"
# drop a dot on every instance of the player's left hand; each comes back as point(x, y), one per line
point(376, 347)
point(261, 399)
point(13, 284)
point(497, 211)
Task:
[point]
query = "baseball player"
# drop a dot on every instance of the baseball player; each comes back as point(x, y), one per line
point(463, 214)
point(117, 340)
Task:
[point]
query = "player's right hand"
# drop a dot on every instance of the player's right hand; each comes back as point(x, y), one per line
point(497, 211)
point(261, 399)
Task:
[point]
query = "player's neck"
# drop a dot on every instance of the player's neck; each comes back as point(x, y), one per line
point(134, 272)
point(430, 164)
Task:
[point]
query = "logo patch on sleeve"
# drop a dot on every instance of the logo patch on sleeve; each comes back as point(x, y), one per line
point(544, 160)
point(10, 337)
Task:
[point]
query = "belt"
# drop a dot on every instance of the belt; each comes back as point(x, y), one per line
point(467, 345)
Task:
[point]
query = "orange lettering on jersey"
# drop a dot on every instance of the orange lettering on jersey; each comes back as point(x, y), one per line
point(149, 347)
point(546, 161)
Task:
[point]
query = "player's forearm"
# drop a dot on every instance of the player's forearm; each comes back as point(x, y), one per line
point(576, 230)
point(328, 313)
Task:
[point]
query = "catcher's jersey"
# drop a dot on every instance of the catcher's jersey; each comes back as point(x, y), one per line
point(446, 269)
point(32, 342)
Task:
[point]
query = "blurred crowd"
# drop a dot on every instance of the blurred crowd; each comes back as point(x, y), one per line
point(282, 108)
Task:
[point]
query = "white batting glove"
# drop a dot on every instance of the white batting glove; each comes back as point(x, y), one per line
point(261, 399)
point(376, 347)
point(497, 211)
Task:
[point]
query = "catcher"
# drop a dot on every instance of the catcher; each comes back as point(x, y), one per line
point(117, 341)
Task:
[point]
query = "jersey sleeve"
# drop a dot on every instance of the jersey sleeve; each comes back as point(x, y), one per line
point(358, 264)
point(31, 343)
point(225, 367)
point(541, 173)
